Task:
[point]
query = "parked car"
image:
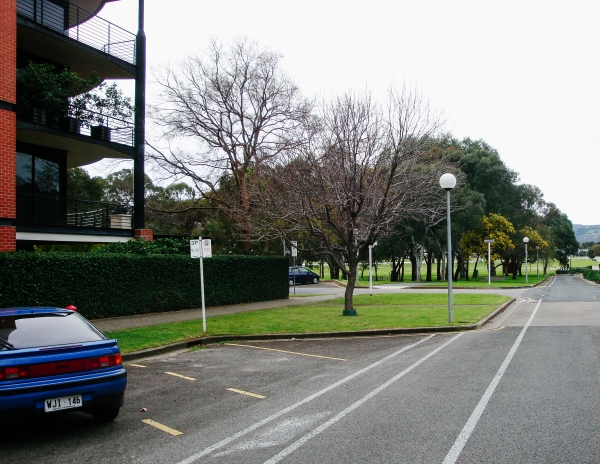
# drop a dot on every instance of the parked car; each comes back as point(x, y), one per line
point(302, 275)
point(53, 359)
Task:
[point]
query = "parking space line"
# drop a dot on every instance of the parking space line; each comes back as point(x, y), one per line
point(134, 365)
point(162, 427)
point(180, 376)
point(242, 392)
point(288, 352)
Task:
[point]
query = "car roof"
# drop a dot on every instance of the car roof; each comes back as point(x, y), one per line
point(33, 310)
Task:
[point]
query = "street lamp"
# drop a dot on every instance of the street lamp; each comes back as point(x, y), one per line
point(526, 241)
point(489, 242)
point(448, 182)
point(537, 261)
point(370, 267)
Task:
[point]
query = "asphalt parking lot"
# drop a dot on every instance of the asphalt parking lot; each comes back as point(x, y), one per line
point(178, 394)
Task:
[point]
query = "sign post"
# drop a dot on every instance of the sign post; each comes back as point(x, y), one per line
point(294, 254)
point(371, 266)
point(489, 242)
point(201, 248)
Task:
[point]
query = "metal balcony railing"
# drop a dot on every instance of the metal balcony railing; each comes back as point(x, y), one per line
point(81, 25)
point(55, 211)
point(84, 122)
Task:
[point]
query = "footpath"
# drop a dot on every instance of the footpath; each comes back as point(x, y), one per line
point(110, 324)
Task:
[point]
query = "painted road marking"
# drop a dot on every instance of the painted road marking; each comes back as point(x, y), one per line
point(283, 351)
point(134, 365)
point(309, 436)
point(461, 441)
point(242, 392)
point(162, 427)
point(275, 435)
point(278, 414)
point(180, 376)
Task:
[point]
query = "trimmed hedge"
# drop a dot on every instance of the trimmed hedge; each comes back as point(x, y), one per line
point(108, 285)
point(594, 276)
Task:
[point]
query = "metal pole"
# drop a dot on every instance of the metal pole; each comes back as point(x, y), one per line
point(140, 123)
point(450, 264)
point(489, 265)
point(537, 261)
point(526, 268)
point(202, 287)
point(370, 265)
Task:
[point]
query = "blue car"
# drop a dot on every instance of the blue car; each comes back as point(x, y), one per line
point(300, 275)
point(54, 360)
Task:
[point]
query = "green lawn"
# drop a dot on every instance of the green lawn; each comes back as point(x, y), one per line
point(374, 312)
point(383, 272)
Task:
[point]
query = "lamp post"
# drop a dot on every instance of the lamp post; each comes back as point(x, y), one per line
point(489, 242)
point(371, 267)
point(448, 182)
point(537, 261)
point(526, 241)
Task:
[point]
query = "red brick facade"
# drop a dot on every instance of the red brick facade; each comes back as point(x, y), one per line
point(8, 50)
point(144, 234)
point(8, 66)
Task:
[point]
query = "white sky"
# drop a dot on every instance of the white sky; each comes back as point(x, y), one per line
point(521, 75)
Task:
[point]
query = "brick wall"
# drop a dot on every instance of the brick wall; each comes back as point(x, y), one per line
point(8, 63)
point(8, 50)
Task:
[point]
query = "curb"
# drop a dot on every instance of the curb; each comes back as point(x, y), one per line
point(204, 341)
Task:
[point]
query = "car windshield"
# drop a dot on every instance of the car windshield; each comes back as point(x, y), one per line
point(47, 329)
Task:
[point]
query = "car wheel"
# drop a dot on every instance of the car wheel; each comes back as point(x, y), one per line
point(316, 280)
point(105, 414)
point(291, 282)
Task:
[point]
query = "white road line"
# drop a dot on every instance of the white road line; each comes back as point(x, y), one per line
point(294, 446)
point(309, 398)
point(460, 442)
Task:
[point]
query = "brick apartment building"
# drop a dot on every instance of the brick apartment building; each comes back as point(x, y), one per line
point(37, 147)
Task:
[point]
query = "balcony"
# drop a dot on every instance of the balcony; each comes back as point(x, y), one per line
point(86, 136)
point(82, 122)
point(81, 25)
point(43, 210)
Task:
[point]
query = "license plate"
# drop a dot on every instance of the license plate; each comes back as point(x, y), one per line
point(64, 402)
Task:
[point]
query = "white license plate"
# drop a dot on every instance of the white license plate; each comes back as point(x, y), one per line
point(64, 402)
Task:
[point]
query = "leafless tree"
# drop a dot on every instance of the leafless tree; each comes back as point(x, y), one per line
point(229, 112)
point(362, 171)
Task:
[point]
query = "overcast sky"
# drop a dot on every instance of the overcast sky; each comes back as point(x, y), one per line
point(521, 75)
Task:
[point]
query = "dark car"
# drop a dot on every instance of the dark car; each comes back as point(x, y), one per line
point(53, 359)
point(302, 275)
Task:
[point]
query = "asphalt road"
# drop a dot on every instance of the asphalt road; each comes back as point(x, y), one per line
point(525, 389)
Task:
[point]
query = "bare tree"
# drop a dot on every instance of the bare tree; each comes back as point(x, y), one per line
point(359, 174)
point(234, 110)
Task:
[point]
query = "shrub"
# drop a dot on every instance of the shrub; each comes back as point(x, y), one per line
point(108, 285)
point(594, 276)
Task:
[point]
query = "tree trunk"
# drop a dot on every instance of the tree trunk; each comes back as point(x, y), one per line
point(429, 261)
point(413, 265)
point(475, 267)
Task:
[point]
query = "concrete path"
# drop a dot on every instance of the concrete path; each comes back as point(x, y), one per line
point(144, 320)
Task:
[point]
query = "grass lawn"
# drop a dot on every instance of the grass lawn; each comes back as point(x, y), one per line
point(383, 272)
point(374, 312)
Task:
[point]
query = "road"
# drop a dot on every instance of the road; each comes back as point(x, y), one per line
point(524, 389)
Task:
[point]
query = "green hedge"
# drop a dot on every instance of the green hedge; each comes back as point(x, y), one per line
point(594, 276)
point(107, 285)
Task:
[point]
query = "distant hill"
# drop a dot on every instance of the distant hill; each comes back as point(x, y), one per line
point(587, 233)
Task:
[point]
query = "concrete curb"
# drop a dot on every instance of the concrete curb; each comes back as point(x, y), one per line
point(204, 341)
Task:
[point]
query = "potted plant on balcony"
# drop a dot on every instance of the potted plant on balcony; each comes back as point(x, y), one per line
point(65, 100)
point(95, 108)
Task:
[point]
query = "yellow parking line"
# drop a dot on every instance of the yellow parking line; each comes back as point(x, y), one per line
point(134, 365)
point(162, 427)
point(283, 351)
point(242, 392)
point(181, 376)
